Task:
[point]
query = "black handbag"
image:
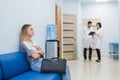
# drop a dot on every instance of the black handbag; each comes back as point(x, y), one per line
point(53, 65)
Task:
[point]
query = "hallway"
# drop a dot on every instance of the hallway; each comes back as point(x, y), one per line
point(107, 69)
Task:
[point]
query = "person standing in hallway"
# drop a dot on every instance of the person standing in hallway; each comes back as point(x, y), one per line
point(98, 40)
point(87, 40)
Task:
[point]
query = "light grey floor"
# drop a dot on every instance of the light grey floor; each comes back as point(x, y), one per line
point(107, 69)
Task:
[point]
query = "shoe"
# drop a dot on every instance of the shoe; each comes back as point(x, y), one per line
point(97, 60)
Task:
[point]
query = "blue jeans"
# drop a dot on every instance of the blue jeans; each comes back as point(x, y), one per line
point(67, 75)
point(37, 67)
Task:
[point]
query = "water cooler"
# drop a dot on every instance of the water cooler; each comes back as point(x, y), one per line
point(52, 48)
point(51, 44)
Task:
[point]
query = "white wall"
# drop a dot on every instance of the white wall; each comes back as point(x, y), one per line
point(70, 6)
point(74, 7)
point(15, 13)
point(119, 10)
point(119, 3)
point(59, 2)
point(108, 13)
point(79, 31)
point(119, 16)
point(119, 26)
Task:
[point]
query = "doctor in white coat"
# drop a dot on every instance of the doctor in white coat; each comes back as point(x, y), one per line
point(87, 40)
point(98, 40)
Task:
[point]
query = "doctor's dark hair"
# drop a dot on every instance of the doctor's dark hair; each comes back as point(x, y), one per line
point(89, 22)
point(99, 23)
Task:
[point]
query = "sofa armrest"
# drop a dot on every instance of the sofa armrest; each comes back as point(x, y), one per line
point(13, 64)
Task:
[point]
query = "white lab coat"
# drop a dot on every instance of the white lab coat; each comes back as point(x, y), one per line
point(88, 40)
point(98, 38)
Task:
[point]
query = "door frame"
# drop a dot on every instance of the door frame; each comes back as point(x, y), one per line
point(58, 22)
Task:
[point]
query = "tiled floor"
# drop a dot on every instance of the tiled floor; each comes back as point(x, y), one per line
point(107, 69)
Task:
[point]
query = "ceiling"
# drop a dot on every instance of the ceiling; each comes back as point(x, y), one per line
point(92, 1)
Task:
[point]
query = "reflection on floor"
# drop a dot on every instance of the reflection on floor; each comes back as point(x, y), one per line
point(107, 69)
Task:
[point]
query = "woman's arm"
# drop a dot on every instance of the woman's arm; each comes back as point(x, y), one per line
point(41, 52)
point(35, 55)
point(99, 34)
point(32, 52)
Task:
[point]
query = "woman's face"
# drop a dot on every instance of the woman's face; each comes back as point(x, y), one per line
point(30, 31)
point(97, 25)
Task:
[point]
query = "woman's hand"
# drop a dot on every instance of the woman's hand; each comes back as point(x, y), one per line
point(97, 34)
point(41, 52)
point(36, 55)
point(93, 36)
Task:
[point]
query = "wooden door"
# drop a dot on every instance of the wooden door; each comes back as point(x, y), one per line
point(59, 29)
point(69, 36)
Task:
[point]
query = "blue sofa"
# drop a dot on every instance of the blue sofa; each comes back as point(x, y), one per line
point(14, 66)
point(0, 74)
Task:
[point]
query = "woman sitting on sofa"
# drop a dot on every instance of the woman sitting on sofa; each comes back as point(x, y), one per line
point(33, 51)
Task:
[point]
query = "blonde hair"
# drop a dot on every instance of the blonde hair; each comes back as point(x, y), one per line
point(24, 31)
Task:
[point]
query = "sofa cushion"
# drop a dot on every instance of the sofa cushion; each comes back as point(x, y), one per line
point(37, 76)
point(0, 73)
point(13, 64)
